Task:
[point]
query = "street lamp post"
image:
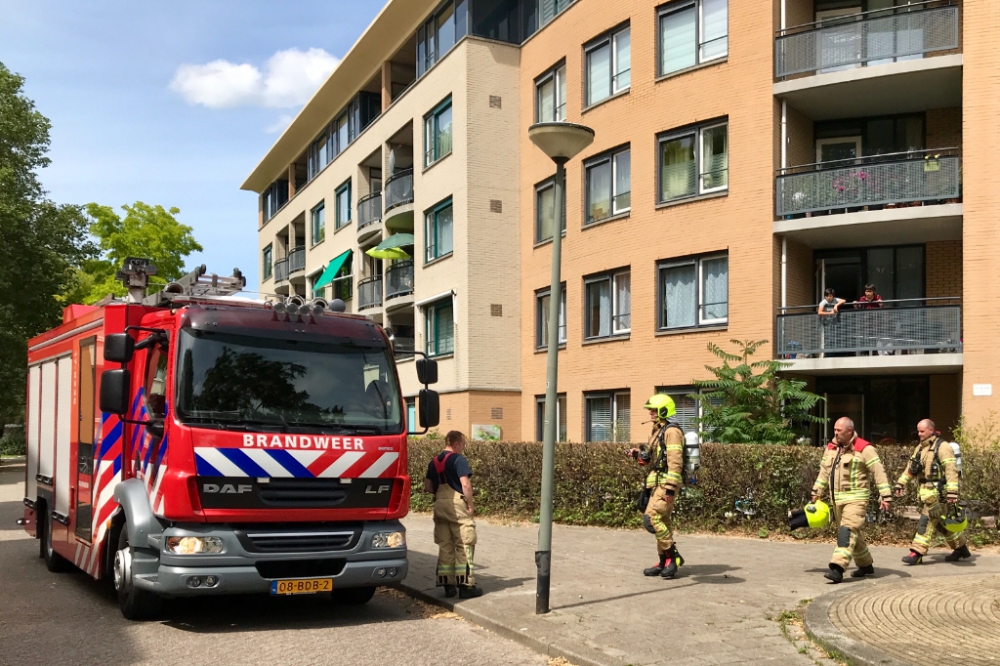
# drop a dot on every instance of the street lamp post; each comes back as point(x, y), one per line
point(561, 142)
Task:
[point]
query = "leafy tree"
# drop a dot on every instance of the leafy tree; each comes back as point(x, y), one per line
point(146, 231)
point(40, 241)
point(748, 402)
point(248, 383)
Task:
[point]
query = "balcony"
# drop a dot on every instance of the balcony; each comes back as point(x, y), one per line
point(369, 210)
point(281, 270)
point(370, 293)
point(399, 280)
point(399, 189)
point(297, 260)
point(912, 335)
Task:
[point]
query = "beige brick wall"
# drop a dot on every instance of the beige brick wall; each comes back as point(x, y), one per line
point(801, 141)
point(740, 222)
point(944, 128)
point(943, 262)
point(946, 391)
point(801, 272)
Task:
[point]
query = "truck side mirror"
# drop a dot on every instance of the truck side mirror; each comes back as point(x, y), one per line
point(427, 371)
point(114, 391)
point(430, 408)
point(119, 347)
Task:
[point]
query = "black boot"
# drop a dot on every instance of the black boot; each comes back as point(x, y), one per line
point(658, 569)
point(450, 591)
point(673, 562)
point(959, 553)
point(835, 574)
point(861, 572)
point(466, 592)
point(913, 558)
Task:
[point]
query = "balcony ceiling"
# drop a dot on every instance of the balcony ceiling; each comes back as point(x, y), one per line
point(902, 87)
point(919, 224)
point(910, 364)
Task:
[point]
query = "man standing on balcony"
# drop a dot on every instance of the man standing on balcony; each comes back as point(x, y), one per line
point(845, 473)
point(870, 301)
point(828, 310)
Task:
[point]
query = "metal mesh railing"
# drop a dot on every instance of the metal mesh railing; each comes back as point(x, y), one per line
point(399, 189)
point(296, 260)
point(370, 293)
point(899, 326)
point(369, 209)
point(280, 270)
point(399, 279)
point(870, 181)
point(871, 38)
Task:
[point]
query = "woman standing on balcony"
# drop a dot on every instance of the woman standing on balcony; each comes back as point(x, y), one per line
point(828, 310)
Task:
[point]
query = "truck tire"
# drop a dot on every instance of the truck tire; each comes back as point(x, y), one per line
point(54, 562)
point(134, 603)
point(353, 596)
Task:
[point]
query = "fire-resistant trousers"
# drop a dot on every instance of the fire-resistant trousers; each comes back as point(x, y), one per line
point(455, 535)
point(850, 517)
point(657, 519)
point(931, 523)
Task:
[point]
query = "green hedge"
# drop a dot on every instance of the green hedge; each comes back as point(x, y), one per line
point(12, 444)
point(596, 484)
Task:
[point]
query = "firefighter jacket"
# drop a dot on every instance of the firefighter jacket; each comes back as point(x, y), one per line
point(666, 460)
point(847, 473)
point(940, 476)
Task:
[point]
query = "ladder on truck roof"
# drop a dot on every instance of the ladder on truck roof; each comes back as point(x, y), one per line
point(197, 284)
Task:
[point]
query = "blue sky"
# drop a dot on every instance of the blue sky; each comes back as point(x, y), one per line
point(175, 102)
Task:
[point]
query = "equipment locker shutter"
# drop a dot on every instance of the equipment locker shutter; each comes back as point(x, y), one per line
point(64, 406)
point(47, 428)
point(34, 386)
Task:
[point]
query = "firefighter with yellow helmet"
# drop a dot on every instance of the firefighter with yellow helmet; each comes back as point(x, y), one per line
point(933, 467)
point(663, 457)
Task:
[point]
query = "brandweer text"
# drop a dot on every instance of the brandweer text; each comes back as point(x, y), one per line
point(303, 442)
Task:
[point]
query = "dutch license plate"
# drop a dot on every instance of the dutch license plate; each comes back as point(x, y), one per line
point(302, 586)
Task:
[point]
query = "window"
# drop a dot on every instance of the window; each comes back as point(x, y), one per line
point(318, 156)
point(560, 417)
point(549, 9)
point(437, 133)
point(608, 417)
point(267, 266)
point(411, 416)
point(156, 382)
point(694, 292)
point(694, 162)
point(343, 203)
point(609, 185)
point(440, 33)
point(688, 409)
point(440, 328)
point(608, 309)
point(692, 33)
point(317, 223)
point(275, 196)
point(550, 96)
point(545, 211)
point(609, 66)
point(542, 312)
point(439, 228)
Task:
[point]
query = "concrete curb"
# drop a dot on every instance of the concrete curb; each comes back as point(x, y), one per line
point(504, 629)
point(819, 627)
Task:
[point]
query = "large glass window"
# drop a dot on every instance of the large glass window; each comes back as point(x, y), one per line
point(609, 66)
point(692, 33)
point(608, 308)
point(694, 162)
point(440, 32)
point(439, 328)
point(550, 96)
point(343, 202)
point(609, 185)
point(317, 223)
point(275, 196)
point(267, 263)
point(545, 211)
point(694, 292)
point(439, 230)
point(437, 133)
point(560, 417)
point(542, 314)
point(608, 417)
point(688, 409)
point(318, 156)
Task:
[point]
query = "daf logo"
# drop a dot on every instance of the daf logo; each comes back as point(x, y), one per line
point(226, 489)
point(377, 490)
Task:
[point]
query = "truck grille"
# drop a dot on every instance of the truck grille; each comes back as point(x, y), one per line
point(312, 493)
point(287, 539)
point(300, 568)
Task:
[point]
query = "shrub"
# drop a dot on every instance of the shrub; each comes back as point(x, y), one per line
point(12, 444)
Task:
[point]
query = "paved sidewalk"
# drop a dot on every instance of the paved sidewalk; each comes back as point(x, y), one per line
point(606, 613)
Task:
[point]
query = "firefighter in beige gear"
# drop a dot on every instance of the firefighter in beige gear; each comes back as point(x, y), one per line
point(448, 477)
point(663, 456)
point(845, 474)
point(933, 467)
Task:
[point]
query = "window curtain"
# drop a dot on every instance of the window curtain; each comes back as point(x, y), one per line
point(562, 315)
point(543, 320)
point(599, 191)
point(444, 329)
point(443, 133)
point(598, 309)
point(679, 296)
point(598, 74)
point(444, 223)
point(715, 288)
point(623, 417)
point(714, 28)
point(677, 168)
point(623, 298)
point(546, 100)
point(678, 40)
point(560, 111)
point(546, 213)
point(623, 180)
point(687, 410)
point(599, 419)
point(623, 60)
point(715, 157)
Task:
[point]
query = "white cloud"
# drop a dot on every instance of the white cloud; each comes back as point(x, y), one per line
point(280, 124)
point(289, 78)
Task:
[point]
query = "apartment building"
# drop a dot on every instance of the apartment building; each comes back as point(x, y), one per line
point(749, 156)
point(412, 144)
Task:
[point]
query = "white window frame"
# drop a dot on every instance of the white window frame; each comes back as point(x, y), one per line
point(609, 40)
point(600, 160)
point(614, 397)
point(697, 262)
point(430, 321)
point(699, 160)
point(317, 210)
point(699, 47)
point(540, 417)
point(612, 279)
point(540, 342)
point(557, 75)
point(343, 190)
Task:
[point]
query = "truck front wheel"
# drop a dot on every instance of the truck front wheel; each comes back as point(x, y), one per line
point(353, 596)
point(134, 603)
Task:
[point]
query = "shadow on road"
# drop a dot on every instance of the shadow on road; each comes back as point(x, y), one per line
point(423, 566)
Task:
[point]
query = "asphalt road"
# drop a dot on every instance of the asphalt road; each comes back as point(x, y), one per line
point(69, 618)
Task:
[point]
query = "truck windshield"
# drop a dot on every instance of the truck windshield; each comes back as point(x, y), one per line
point(235, 381)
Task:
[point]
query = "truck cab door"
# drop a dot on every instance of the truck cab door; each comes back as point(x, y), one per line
point(87, 420)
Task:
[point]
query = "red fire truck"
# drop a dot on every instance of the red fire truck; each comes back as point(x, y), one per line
point(196, 442)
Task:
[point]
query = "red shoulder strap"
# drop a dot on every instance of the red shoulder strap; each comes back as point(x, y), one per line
point(439, 462)
point(860, 444)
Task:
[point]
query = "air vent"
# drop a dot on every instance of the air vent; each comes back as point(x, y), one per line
point(496, 413)
point(496, 310)
point(495, 102)
point(447, 414)
point(496, 206)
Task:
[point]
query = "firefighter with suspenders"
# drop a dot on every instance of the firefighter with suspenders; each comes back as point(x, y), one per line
point(448, 477)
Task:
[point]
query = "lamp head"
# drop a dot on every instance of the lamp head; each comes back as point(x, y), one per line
point(560, 141)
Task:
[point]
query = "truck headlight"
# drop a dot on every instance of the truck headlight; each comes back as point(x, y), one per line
point(190, 545)
point(389, 540)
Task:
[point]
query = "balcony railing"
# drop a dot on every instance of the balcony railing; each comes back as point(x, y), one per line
point(399, 189)
point(280, 270)
point(369, 209)
point(868, 39)
point(370, 293)
point(900, 326)
point(403, 348)
point(297, 260)
point(902, 178)
point(399, 279)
